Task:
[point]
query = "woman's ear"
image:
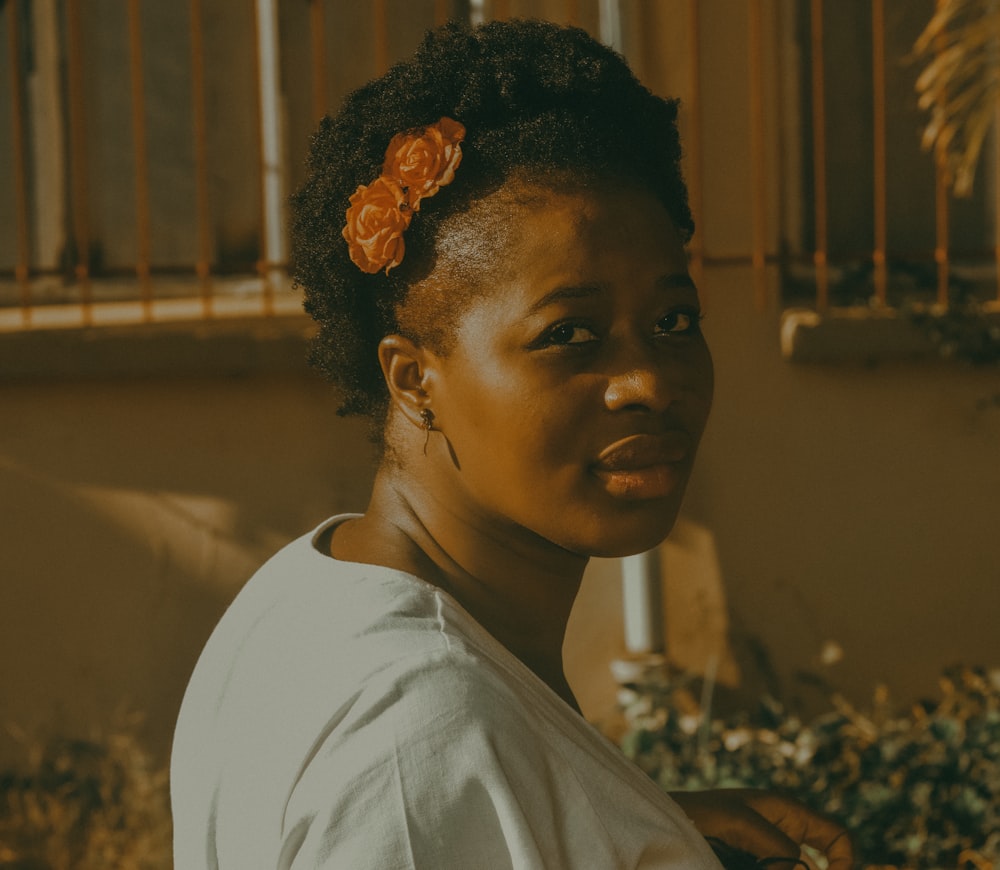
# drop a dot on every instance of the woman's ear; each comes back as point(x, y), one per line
point(408, 371)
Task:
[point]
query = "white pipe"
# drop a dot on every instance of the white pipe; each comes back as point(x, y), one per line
point(641, 586)
point(45, 97)
point(610, 26)
point(269, 83)
point(642, 603)
point(641, 573)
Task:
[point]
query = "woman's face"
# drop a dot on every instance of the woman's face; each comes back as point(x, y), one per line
point(579, 383)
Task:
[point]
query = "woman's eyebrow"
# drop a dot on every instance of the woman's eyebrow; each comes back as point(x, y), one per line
point(576, 292)
point(677, 281)
point(674, 281)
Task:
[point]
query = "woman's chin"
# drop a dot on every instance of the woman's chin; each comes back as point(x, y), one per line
point(614, 539)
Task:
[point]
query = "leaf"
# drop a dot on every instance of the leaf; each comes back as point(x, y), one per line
point(958, 86)
point(917, 789)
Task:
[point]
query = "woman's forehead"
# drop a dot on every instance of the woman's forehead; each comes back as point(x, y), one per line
point(530, 217)
point(532, 241)
point(526, 239)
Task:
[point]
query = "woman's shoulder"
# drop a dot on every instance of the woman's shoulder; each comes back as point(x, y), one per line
point(362, 695)
point(455, 760)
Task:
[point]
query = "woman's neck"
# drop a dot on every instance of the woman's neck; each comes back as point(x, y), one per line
point(518, 586)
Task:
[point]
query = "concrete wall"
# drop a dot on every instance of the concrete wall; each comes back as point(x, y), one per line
point(133, 510)
point(839, 504)
point(849, 505)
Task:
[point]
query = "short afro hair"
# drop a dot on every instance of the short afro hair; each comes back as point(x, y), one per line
point(536, 99)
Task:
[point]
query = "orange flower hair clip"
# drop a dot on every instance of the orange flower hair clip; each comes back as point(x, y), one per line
point(416, 166)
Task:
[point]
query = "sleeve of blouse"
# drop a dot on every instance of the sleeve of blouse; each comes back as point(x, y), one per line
point(439, 766)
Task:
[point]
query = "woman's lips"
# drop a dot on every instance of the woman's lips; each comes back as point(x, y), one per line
point(643, 466)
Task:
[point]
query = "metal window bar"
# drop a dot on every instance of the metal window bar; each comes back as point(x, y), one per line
point(78, 158)
point(819, 156)
point(695, 170)
point(143, 252)
point(203, 264)
point(317, 33)
point(758, 180)
point(23, 262)
point(272, 162)
point(941, 183)
point(996, 222)
point(573, 12)
point(441, 11)
point(878, 136)
point(381, 36)
point(272, 242)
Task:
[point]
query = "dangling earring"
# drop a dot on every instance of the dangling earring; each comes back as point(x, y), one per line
point(427, 416)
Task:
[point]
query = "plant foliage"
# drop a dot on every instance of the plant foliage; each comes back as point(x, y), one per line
point(960, 85)
point(87, 805)
point(920, 790)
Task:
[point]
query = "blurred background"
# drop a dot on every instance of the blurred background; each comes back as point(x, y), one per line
point(161, 435)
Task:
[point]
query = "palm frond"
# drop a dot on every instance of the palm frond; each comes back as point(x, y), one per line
point(960, 85)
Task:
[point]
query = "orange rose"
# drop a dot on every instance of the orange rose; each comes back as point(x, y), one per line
point(424, 163)
point(415, 166)
point(376, 219)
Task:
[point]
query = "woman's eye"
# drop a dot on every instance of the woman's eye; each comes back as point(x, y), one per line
point(679, 323)
point(569, 333)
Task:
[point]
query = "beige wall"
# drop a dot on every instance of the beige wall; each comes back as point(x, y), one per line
point(846, 504)
point(133, 510)
point(852, 504)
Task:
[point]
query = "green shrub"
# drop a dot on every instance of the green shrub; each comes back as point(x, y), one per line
point(86, 805)
point(918, 790)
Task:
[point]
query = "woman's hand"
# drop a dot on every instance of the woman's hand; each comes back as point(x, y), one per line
point(766, 824)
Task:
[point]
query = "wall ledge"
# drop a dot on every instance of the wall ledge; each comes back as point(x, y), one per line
point(222, 346)
point(861, 335)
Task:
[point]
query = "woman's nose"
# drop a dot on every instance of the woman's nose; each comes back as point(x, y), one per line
point(642, 385)
point(638, 389)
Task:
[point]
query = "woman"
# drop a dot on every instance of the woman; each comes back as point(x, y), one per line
point(492, 241)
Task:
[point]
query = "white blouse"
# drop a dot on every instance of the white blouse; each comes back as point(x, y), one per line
point(348, 716)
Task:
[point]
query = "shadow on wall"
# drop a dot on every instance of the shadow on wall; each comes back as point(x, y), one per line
point(854, 508)
point(134, 512)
